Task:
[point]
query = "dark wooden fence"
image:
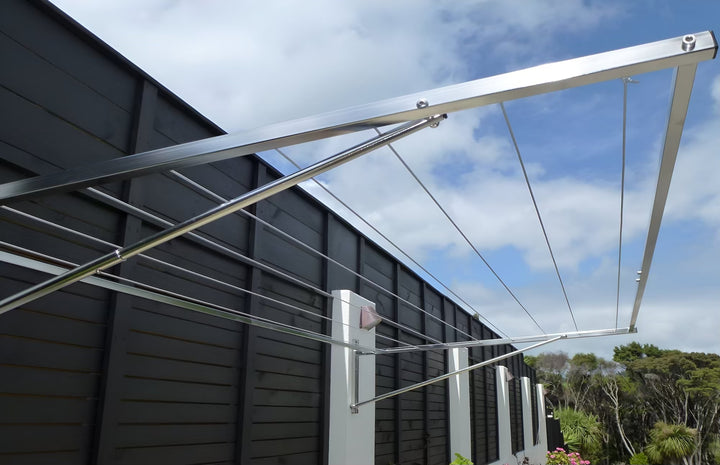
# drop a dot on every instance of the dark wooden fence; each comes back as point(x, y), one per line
point(93, 376)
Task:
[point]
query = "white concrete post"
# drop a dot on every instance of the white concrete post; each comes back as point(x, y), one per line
point(503, 413)
point(527, 413)
point(459, 395)
point(352, 435)
point(542, 419)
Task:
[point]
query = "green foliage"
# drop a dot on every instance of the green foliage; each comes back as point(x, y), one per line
point(669, 442)
point(460, 460)
point(714, 450)
point(585, 362)
point(639, 459)
point(530, 360)
point(582, 432)
point(635, 351)
point(626, 398)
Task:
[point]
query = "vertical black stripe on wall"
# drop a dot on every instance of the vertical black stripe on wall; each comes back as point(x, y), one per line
point(247, 379)
point(425, 374)
point(448, 336)
point(115, 357)
point(398, 370)
point(329, 286)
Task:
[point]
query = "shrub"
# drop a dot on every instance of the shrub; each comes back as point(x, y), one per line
point(560, 457)
point(639, 459)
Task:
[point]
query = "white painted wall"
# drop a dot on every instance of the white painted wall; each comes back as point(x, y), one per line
point(459, 400)
point(351, 439)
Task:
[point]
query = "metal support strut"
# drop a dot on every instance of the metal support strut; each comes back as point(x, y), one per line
point(396, 392)
point(249, 198)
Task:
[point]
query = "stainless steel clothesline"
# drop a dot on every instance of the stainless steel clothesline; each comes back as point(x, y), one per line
point(683, 53)
point(260, 193)
point(19, 256)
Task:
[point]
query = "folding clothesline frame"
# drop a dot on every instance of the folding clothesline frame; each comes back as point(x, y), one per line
point(417, 111)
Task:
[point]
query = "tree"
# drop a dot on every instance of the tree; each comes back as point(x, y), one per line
point(612, 383)
point(551, 368)
point(684, 389)
point(634, 351)
point(669, 443)
point(582, 432)
point(645, 385)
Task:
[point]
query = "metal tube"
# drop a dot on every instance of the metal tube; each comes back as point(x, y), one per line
point(682, 88)
point(154, 219)
point(145, 291)
point(218, 212)
point(214, 196)
point(507, 340)
point(495, 89)
point(448, 375)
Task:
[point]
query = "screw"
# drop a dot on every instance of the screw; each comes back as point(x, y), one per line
point(688, 42)
point(422, 103)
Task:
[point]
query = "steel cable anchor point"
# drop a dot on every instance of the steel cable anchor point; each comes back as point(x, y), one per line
point(423, 103)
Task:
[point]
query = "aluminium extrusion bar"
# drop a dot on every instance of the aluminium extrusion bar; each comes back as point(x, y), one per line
point(249, 198)
point(669, 53)
point(449, 375)
point(171, 298)
point(682, 88)
point(508, 340)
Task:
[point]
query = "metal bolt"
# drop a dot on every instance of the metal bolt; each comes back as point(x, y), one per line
point(688, 42)
point(422, 103)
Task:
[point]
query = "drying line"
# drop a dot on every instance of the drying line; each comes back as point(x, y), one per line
point(214, 196)
point(451, 374)
point(146, 216)
point(537, 211)
point(465, 237)
point(368, 224)
point(36, 255)
point(115, 283)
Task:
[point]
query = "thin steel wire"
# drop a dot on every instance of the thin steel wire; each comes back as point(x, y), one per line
point(217, 309)
point(360, 217)
point(622, 197)
point(465, 237)
point(197, 236)
point(537, 211)
point(304, 312)
point(248, 198)
point(202, 189)
point(378, 232)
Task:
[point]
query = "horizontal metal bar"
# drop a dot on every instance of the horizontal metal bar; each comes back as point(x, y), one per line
point(451, 374)
point(171, 298)
point(509, 86)
point(683, 81)
point(507, 340)
point(263, 192)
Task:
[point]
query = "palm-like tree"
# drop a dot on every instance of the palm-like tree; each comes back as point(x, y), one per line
point(670, 443)
point(581, 432)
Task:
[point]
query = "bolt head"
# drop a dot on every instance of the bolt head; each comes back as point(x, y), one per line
point(688, 42)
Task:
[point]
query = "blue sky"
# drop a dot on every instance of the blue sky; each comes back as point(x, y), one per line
point(247, 65)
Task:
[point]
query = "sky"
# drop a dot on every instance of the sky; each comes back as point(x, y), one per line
point(249, 64)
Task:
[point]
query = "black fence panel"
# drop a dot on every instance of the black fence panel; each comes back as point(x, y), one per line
point(93, 376)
